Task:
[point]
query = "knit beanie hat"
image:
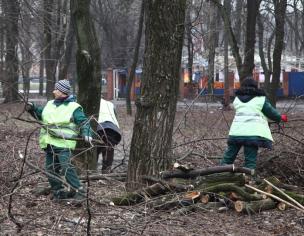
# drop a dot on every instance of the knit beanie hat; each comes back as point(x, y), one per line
point(249, 82)
point(63, 86)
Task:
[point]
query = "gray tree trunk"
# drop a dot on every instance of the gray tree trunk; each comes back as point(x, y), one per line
point(10, 86)
point(226, 104)
point(248, 64)
point(211, 45)
point(88, 63)
point(135, 59)
point(279, 11)
point(49, 61)
point(152, 134)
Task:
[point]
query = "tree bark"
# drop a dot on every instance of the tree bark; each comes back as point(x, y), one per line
point(248, 64)
point(152, 133)
point(10, 86)
point(226, 104)
point(211, 45)
point(279, 12)
point(88, 65)
point(69, 41)
point(49, 61)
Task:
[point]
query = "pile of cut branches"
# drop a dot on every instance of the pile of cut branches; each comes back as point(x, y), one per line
point(221, 188)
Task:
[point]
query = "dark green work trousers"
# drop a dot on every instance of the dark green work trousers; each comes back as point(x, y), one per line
point(58, 163)
point(250, 153)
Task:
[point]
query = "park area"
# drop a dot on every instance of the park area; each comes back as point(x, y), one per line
point(199, 140)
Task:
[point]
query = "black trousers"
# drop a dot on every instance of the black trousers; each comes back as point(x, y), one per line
point(107, 151)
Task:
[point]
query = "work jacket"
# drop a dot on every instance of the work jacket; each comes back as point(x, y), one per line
point(62, 119)
point(260, 138)
point(107, 112)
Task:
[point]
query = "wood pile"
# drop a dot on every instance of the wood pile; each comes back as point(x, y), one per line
point(218, 188)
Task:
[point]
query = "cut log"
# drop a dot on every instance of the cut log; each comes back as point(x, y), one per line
point(282, 206)
point(171, 186)
point(207, 171)
point(254, 206)
point(116, 176)
point(139, 195)
point(205, 198)
point(233, 196)
point(219, 178)
point(228, 187)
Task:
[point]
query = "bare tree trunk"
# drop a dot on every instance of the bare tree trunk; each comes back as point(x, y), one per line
point(41, 76)
point(10, 87)
point(2, 48)
point(69, 46)
point(26, 65)
point(188, 28)
point(244, 68)
point(211, 45)
point(227, 5)
point(248, 64)
point(279, 11)
point(152, 134)
point(135, 59)
point(238, 20)
point(88, 63)
point(48, 42)
point(267, 71)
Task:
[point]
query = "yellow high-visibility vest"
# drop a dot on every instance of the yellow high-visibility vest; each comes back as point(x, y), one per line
point(58, 123)
point(249, 119)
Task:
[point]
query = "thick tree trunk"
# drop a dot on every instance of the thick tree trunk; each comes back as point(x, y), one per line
point(88, 57)
point(88, 64)
point(152, 134)
point(10, 85)
point(135, 59)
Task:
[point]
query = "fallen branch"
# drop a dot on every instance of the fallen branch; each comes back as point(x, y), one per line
point(206, 171)
point(275, 197)
point(284, 194)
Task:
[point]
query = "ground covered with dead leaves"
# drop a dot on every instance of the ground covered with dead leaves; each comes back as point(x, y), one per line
point(199, 139)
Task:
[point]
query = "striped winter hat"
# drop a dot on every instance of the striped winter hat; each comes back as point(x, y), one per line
point(63, 86)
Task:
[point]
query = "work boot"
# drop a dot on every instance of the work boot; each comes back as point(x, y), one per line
point(106, 170)
point(60, 194)
point(78, 197)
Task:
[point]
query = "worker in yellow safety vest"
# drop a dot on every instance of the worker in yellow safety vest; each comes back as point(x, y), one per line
point(250, 127)
point(63, 120)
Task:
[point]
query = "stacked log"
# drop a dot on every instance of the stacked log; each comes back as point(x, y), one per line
point(220, 188)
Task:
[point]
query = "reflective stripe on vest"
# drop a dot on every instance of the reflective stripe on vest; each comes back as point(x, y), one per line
point(58, 125)
point(106, 112)
point(249, 119)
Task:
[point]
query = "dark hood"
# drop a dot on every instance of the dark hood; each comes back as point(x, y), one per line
point(247, 93)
